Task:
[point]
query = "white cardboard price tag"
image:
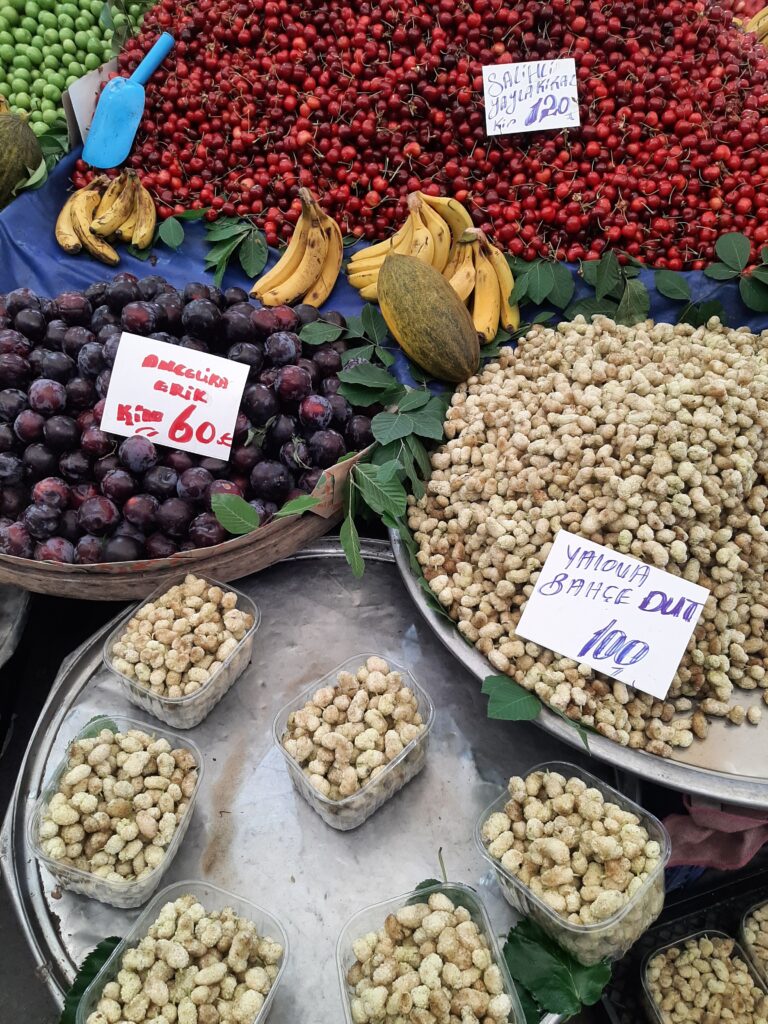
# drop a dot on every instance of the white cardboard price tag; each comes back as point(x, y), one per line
point(620, 616)
point(175, 396)
point(532, 96)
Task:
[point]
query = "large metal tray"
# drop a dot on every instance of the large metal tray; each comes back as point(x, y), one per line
point(730, 765)
point(251, 833)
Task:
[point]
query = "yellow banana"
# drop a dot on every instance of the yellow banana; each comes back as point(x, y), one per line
point(380, 248)
point(126, 230)
point(289, 262)
point(308, 270)
point(510, 315)
point(463, 279)
point(107, 222)
point(423, 244)
point(400, 242)
point(145, 219)
point(453, 261)
point(370, 293)
point(453, 213)
point(329, 273)
point(754, 22)
point(64, 229)
point(441, 235)
point(362, 280)
point(486, 303)
point(83, 210)
point(114, 189)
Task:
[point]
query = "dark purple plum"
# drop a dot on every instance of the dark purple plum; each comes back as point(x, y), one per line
point(216, 467)
point(82, 492)
point(264, 509)
point(307, 314)
point(90, 359)
point(11, 469)
point(15, 343)
point(98, 410)
point(264, 322)
point(326, 447)
point(174, 517)
point(283, 348)
point(342, 410)
point(15, 371)
point(233, 296)
point(169, 339)
point(280, 431)
point(55, 365)
point(103, 317)
point(73, 308)
point(13, 500)
point(308, 481)
point(245, 457)
point(336, 319)
point(39, 461)
point(137, 454)
point(179, 461)
point(158, 545)
point(170, 306)
point(271, 481)
point(32, 323)
point(61, 433)
point(294, 455)
point(51, 491)
point(205, 530)
point(126, 529)
point(187, 341)
point(250, 354)
point(292, 384)
point(202, 319)
point(327, 360)
point(41, 521)
point(195, 290)
point(35, 360)
point(75, 467)
point(75, 338)
point(260, 404)
point(242, 426)
point(21, 298)
point(311, 368)
point(95, 443)
point(287, 318)
point(15, 540)
point(12, 402)
point(68, 527)
point(107, 332)
point(102, 383)
point(81, 394)
point(268, 376)
point(141, 511)
point(315, 412)
point(358, 433)
point(121, 548)
point(55, 549)
point(29, 426)
point(118, 485)
point(95, 292)
point(216, 296)
point(161, 481)
point(98, 516)
point(237, 328)
point(223, 487)
point(89, 550)
point(140, 318)
point(54, 335)
point(103, 466)
point(47, 396)
point(8, 439)
point(150, 286)
point(119, 294)
point(193, 484)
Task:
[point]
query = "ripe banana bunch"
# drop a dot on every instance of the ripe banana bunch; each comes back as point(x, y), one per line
point(310, 265)
point(105, 211)
point(759, 25)
point(479, 274)
point(433, 227)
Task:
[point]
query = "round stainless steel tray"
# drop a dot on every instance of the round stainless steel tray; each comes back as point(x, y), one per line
point(251, 833)
point(730, 765)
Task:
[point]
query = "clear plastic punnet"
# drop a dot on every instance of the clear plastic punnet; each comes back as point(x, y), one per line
point(604, 940)
point(134, 892)
point(352, 811)
point(759, 960)
point(212, 898)
point(188, 711)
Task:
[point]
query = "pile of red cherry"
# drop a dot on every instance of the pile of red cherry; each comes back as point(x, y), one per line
point(69, 492)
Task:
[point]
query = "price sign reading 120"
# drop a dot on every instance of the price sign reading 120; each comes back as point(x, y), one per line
point(535, 95)
point(176, 397)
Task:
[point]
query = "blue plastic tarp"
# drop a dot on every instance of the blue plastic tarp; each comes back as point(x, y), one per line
point(29, 256)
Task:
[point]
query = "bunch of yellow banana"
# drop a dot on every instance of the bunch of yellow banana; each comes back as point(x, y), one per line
point(479, 274)
point(433, 227)
point(310, 265)
point(759, 25)
point(118, 210)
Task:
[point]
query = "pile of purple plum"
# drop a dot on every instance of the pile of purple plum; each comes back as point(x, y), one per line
point(70, 492)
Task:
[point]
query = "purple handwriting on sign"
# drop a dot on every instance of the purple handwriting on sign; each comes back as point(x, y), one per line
point(657, 601)
point(530, 96)
point(609, 643)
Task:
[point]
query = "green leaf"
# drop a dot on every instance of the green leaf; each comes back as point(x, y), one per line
point(698, 313)
point(764, 254)
point(520, 290)
point(510, 701)
point(382, 495)
point(171, 232)
point(413, 399)
point(428, 421)
point(219, 253)
point(385, 356)
point(364, 397)
point(760, 274)
point(591, 307)
point(588, 271)
point(412, 473)
point(374, 324)
point(253, 253)
point(635, 304)
point(234, 513)
point(754, 294)
point(558, 982)
point(580, 729)
point(319, 333)
point(105, 17)
point(363, 352)
point(720, 272)
point(223, 230)
point(87, 971)
point(292, 508)
point(355, 327)
point(350, 542)
point(389, 426)
point(36, 178)
point(540, 281)
point(543, 317)
point(733, 249)
point(562, 292)
point(389, 470)
point(419, 453)
point(192, 214)
point(608, 276)
point(672, 284)
point(368, 376)
point(141, 254)
point(383, 453)
point(91, 730)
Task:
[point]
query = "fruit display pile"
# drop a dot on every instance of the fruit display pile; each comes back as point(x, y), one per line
point(70, 492)
point(365, 103)
point(46, 45)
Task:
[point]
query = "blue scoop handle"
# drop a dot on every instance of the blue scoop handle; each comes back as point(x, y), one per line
point(153, 59)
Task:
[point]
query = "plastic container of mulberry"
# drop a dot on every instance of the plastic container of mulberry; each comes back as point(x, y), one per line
point(212, 898)
point(133, 892)
point(188, 711)
point(351, 811)
point(604, 940)
point(760, 963)
point(653, 1011)
point(372, 918)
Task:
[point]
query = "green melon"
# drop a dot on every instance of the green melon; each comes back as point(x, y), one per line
point(20, 152)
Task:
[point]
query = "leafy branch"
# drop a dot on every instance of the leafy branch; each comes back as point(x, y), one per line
point(235, 235)
point(510, 702)
point(169, 231)
point(87, 971)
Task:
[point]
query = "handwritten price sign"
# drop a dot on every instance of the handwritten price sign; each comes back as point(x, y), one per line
point(174, 396)
point(533, 96)
point(614, 613)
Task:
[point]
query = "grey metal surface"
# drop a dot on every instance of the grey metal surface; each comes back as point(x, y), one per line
point(251, 832)
point(14, 609)
point(730, 765)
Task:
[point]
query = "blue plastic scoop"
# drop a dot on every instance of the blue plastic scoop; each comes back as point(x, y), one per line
point(120, 109)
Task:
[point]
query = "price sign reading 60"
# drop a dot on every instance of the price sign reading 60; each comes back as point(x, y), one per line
point(187, 427)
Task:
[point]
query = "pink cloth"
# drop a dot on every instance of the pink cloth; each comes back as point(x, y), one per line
point(714, 835)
